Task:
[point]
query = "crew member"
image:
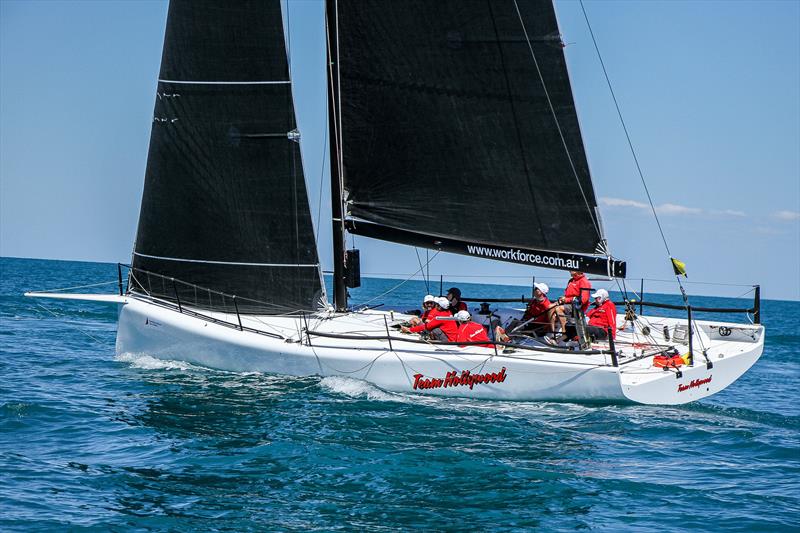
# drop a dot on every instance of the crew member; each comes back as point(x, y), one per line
point(602, 316)
point(540, 310)
point(454, 298)
point(437, 329)
point(428, 305)
point(469, 331)
point(578, 289)
point(537, 318)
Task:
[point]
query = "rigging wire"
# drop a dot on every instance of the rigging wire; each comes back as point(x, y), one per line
point(71, 325)
point(419, 260)
point(641, 174)
point(81, 286)
point(293, 121)
point(336, 111)
point(321, 181)
point(630, 145)
point(422, 268)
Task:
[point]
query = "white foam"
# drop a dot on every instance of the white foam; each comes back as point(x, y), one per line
point(147, 362)
point(356, 388)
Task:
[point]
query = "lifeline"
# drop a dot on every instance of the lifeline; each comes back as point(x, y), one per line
point(452, 379)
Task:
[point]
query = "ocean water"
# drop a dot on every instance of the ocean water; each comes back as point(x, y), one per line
point(96, 442)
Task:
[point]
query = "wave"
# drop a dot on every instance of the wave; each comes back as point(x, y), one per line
point(789, 339)
point(356, 388)
point(744, 414)
point(148, 362)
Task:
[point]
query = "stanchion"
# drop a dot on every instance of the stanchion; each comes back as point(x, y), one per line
point(119, 275)
point(612, 347)
point(757, 305)
point(691, 332)
point(177, 298)
point(388, 335)
point(239, 318)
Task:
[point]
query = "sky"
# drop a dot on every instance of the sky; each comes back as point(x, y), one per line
point(710, 92)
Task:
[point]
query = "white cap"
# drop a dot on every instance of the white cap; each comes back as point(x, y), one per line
point(462, 316)
point(542, 287)
point(428, 298)
point(601, 293)
point(442, 301)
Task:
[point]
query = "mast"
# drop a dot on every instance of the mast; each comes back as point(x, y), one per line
point(334, 139)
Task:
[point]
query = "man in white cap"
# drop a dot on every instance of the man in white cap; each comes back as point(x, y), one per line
point(538, 317)
point(540, 310)
point(602, 316)
point(436, 328)
point(428, 304)
point(469, 331)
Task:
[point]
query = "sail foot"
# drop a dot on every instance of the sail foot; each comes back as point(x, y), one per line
point(601, 265)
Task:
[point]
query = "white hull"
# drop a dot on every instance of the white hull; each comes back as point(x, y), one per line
point(162, 332)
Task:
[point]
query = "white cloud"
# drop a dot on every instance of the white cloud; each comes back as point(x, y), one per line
point(786, 215)
point(665, 209)
point(729, 213)
point(764, 230)
point(674, 209)
point(620, 202)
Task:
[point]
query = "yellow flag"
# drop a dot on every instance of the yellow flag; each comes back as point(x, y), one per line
point(679, 267)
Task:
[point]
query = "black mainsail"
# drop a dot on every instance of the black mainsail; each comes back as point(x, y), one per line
point(458, 131)
point(225, 203)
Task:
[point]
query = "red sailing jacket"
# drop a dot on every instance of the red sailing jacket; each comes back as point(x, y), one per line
point(426, 314)
point(539, 310)
point(604, 316)
point(449, 327)
point(472, 332)
point(573, 290)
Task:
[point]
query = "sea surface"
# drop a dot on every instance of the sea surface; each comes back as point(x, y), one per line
point(92, 441)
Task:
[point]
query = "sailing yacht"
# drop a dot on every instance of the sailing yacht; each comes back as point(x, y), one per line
point(427, 101)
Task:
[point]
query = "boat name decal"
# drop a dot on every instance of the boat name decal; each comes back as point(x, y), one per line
point(521, 256)
point(453, 379)
point(694, 383)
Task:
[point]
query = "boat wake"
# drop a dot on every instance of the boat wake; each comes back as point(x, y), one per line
point(356, 388)
point(147, 362)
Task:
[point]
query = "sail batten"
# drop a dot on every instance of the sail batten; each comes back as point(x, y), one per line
point(225, 205)
point(450, 128)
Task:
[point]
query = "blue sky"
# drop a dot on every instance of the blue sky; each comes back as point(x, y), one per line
point(710, 91)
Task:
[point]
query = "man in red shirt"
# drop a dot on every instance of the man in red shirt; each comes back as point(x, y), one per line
point(540, 310)
point(537, 318)
point(578, 289)
point(438, 329)
point(428, 305)
point(602, 316)
point(469, 331)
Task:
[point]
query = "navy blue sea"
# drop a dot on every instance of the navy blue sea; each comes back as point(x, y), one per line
point(90, 440)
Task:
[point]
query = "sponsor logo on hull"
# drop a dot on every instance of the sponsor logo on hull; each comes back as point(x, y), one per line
point(693, 384)
point(454, 379)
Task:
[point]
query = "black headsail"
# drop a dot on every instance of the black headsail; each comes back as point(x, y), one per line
point(459, 132)
point(225, 203)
